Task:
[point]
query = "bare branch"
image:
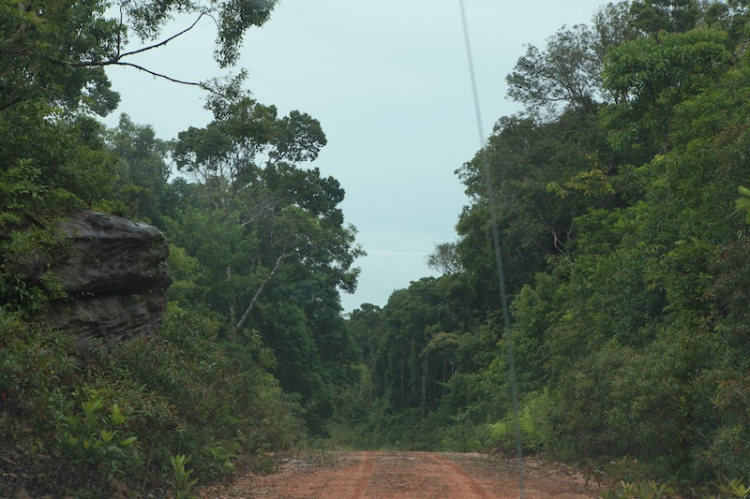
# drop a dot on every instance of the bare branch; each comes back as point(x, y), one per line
point(158, 75)
point(117, 61)
point(558, 243)
point(119, 31)
point(258, 292)
point(162, 43)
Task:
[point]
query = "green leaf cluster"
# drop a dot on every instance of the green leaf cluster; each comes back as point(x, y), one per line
point(95, 439)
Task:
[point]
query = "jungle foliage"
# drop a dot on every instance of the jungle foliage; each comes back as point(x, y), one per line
point(622, 215)
point(622, 204)
point(253, 350)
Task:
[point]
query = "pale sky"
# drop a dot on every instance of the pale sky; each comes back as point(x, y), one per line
point(389, 82)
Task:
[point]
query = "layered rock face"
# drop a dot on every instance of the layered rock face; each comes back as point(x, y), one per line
point(115, 275)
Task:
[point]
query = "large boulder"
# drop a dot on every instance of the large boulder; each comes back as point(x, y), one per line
point(115, 276)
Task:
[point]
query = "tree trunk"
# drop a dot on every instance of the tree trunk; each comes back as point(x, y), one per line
point(249, 309)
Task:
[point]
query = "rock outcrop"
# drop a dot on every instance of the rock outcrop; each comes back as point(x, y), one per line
point(115, 276)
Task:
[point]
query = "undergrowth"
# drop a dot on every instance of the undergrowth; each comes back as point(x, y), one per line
point(137, 412)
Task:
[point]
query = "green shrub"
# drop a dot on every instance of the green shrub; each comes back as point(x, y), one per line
point(639, 490)
point(182, 484)
point(222, 403)
point(732, 489)
point(97, 438)
point(35, 368)
point(135, 407)
point(531, 422)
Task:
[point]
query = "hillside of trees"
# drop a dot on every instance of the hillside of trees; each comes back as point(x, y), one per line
point(623, 229)
point(623, 219)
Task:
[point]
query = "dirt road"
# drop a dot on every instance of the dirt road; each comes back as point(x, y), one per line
point(406, 475)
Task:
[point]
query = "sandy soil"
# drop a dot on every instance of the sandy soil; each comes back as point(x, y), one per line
point(407, 475)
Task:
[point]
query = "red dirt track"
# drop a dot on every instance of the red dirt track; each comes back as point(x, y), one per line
point(408, 475)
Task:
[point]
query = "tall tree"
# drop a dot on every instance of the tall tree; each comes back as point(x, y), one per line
point(650, 76)
point(568, 71)
point(142, 170)
point(273, 241)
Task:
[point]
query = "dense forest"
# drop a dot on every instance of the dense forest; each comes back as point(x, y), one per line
point(620, 204)
point(622, 216)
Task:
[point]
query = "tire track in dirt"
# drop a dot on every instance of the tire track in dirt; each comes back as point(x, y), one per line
point(349, 483)
point(362, 478)
point(462, 479)
point(422, 475)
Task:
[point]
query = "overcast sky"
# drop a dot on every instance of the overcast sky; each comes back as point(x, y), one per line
point(389, 82)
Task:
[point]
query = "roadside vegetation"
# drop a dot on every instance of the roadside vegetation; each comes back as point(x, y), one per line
point(623, 208)
point(253, 347)
point(622, 212)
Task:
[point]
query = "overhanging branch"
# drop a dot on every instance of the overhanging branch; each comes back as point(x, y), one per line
point(117, 60)
point(159, 75)
point(162, 43)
